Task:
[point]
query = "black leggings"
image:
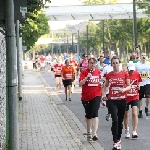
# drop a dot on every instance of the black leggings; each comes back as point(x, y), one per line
point(92, 107)
point(117, 110)
point(107, 104)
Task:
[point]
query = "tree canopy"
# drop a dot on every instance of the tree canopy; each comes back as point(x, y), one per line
point(36, 23)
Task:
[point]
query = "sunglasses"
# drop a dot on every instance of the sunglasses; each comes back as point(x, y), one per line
point(102, 56)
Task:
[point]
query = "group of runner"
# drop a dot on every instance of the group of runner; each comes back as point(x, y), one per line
point(105, 80)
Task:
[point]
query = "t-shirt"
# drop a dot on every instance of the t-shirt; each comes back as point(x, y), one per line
point(68, 72)
point(77, 58)
point(49, 58)
point(58, 69)
point(53, 63)
point(116, 83)
point(107, 61)
point(83, 64)
point(91, 88)
point(144, 70)
point(73, 63)
point(42, 59)
point(133, 94)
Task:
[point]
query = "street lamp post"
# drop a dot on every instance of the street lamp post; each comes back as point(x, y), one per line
point(87, 28)
point(134, 24)
point(72, 44)
point(103, 40)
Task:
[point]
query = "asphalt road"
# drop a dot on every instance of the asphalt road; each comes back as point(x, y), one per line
point(104, 130)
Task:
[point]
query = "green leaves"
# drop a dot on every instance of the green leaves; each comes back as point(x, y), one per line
point(34, 27)
point(36, 23)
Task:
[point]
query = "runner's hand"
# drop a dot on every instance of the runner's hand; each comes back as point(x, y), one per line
point(104, 98)
point(138, 87)
point(89, 75)
point(121, 90)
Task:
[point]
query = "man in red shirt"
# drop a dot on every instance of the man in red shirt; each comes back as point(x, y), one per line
point(132, 99)
point(91, 97)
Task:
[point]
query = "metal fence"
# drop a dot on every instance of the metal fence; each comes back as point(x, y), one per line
point(2, 89)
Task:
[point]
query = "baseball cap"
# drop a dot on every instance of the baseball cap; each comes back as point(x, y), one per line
point(131, 66)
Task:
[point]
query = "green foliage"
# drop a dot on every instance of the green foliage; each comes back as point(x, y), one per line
point(34, 27)
point(36, 23)
point(35, 5)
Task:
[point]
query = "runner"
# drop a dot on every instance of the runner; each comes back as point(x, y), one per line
point(143, 67)
point(132, 99)
point(91, 97)
point(58, 68)
point(67, 76)
point(106, 70)
point(74, 65)
point(84, 63)
point(52, 63)
point(100, 63)
point(48, 59)
point(118, 83)
point(42, 63)
point(107, 59)
point(100, 66)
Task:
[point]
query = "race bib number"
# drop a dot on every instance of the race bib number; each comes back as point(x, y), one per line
point(144, 75)
point(133, 91)
point(115, 93)
point(68, 76)
point(94, 81)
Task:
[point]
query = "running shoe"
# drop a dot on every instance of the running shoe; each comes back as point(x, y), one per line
point(134, 134)
point(127, 134)
point(116, 146)
point(119, 141)
point(95, 137)
point(107, 117)
point(103, 103)
point(69, 99)
point(89, 136)
point(140, 115)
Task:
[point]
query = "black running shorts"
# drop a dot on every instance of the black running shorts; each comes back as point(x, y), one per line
point(132, 103)
point(144, 91)
point(67, 82)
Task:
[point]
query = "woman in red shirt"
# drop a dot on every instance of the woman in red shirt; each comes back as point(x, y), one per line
point(57, 68)
point(132, 99)
point(91, 97)
point(118, 83)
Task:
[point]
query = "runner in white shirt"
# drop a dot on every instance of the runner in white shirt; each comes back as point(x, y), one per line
point(143, 67)
point(53, 62)
point(48, 60)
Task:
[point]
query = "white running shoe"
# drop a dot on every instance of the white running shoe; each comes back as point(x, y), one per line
point(116, 146)
point(134, 134)
point(127, 134)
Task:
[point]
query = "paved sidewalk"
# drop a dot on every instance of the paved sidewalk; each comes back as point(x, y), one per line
point(42, 126)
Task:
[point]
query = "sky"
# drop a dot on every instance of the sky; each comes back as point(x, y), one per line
point(55, 25)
